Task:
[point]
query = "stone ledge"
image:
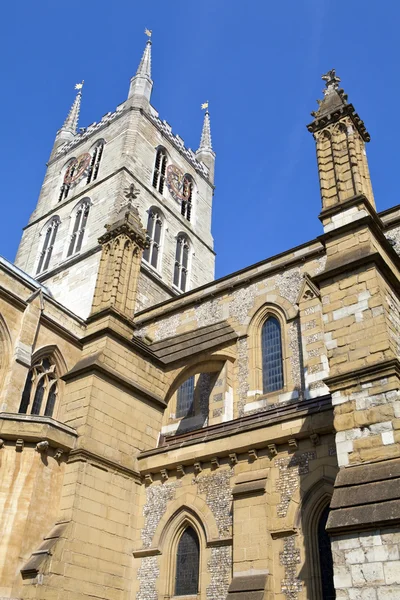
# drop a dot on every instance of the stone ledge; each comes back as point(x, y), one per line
point(32, 428)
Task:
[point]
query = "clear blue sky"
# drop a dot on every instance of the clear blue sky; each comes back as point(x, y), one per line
point(258, 63)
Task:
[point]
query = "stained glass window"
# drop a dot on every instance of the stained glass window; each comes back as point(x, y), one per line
point(325, 558)
point(185, 398)
point(271, 344)
point(187, 564)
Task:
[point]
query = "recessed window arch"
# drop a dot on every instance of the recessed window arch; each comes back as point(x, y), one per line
point(182, 259)
point(325, 557)
point(48, 234)
point(187, 563)
point(65, 186)
point(160, 167)
point(96, 153)
point(80, 218)
point(154, 232)
point(271, 350)
point(41, 388)
point(187, 202)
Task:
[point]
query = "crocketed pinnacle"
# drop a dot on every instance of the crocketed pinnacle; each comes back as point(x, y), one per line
point(205, 141)
point(334, 106)
point(334, 97)
point(71, 122)
point(144, 68)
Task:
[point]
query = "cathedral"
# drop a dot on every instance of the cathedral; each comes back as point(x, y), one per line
point(165, 435)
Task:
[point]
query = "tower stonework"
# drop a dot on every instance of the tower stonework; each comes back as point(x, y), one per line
point(360, 306)
point(130, 137)
point(240, 441)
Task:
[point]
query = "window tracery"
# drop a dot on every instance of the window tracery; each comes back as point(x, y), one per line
point(95, 161)
point(186, 205)
point(154, 229)
point(181, 270)
point(48, 245)
point(40, 391)
point(78, 231)
point(160, 167)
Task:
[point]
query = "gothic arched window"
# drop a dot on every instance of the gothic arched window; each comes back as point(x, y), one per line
point(271, 346)
point(154, 227)
point(187, 564)
point(65, 187)
point(40, 391)
point(325, 557)
point(186, 205)
point(160, 167)
point(78, 231)
point(185, 398)
point(94, 166)
point(48, 245)
point(181, 270)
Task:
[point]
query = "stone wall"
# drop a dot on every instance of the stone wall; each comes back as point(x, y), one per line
point(367, 565)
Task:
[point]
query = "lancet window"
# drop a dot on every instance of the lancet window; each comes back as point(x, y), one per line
point(48, 245)
point(186, 205)
point(181, 269)
point(40, 391)
point(271, 346)
point(79, 227)
point(187, 564)
point(160, 167)
point(95, 161)
point(68, 178)
point(154, 228)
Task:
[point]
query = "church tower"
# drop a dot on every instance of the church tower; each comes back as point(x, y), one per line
point(91, 169)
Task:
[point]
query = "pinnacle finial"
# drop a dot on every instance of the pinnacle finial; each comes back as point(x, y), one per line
point(331, 80)
point(144, 68)
point(205, 140)
point(71, 122)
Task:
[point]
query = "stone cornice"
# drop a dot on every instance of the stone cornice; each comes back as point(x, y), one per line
point(383, 369)
point(35, 428)
point(92, 365)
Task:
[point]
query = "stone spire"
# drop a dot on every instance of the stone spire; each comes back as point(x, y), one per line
point(205, 152)
point(144, 68)
point(205, 140)
point(142, 84)
point(71, 122)
point(70, 126)
point(340, 136)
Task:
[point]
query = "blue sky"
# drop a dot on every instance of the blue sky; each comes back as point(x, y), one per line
point(258, 63)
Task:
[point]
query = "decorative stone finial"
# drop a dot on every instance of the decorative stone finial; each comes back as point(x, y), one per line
point(331, 80)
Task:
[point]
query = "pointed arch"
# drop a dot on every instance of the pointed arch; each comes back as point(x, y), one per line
point(311, 517)
point(65, 186)
point(160, 167)
point(96, 152)
point(47, 236)
point(188, 193)
point(183, 253)
point(155, 231)
point(42, 386)
point(79, 220)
